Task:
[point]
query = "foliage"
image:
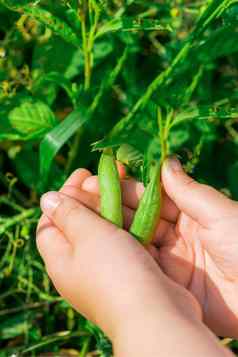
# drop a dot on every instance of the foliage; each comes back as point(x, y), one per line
point(79, 76)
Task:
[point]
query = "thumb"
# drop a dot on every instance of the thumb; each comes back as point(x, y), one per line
point(72, 218)
point(201, 202)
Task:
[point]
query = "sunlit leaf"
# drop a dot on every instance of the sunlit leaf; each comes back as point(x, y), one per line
point(55, 139)
point(31, 119)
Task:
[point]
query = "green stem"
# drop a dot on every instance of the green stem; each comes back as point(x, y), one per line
point(85, 348)
point(17, 219)
point(163, 134)
point(87, 57)
point(7, 201)
point(88, 43)
point(47, 340)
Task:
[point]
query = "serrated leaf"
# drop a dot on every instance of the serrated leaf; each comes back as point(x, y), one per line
point(141, 24)
point(58, 26)
point(205, 112)
point(31, 119)
point(129, 156)
point(132, 24)
point(55, 139)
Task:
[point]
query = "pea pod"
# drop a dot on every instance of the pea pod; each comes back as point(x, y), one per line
point(110, 189)
point(147, 215)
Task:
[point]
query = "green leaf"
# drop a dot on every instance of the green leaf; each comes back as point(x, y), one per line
point(26, 165)
point(54, 56)
point(58, 79)
point(58, 26)
point(55, 139)
point(14, 326)
point(31, 119)
point(205, 112)
point(129, 156)
point(109, 80)
point(221, 42)
point(141, 24)
point(132, 24)
point(13, 5)
point(214, 9)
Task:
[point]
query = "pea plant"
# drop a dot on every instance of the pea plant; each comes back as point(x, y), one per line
point(84, 83)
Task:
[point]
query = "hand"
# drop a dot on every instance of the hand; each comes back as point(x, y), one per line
point(102, 270)
point(196, 243)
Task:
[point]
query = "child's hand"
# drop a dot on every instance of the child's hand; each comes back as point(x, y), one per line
point(196, 242)
point(102, 270)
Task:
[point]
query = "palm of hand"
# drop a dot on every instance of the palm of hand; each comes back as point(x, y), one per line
point(204, 261)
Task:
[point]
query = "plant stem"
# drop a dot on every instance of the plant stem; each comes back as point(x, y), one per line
point(88, 38)
point(87, 55)
point(163, 134)
point(85, 348)
point(17, 219)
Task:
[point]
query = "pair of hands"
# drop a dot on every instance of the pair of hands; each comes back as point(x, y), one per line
point(112, 280)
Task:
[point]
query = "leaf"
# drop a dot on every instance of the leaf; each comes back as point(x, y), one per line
point(178, 137)
point(205, 112)
point(214, 9)
point(58, 26)
point(131, 24)
point(14, 326)
point(13, 5)
point(32, 119)
point(109, 80)
point(55, 139)
point(129, 156)
point(141, 24)
point(26, 165)
point(54, 56)
point(56, 78)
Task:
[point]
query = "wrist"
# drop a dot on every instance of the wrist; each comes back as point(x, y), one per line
point(156, 333)
point(164, 309)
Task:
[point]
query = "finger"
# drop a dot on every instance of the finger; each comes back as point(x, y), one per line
point(201, 202)
point(121, 170)
point(54, 249)
point(75, 180)
point(72, 218)
point(92, 202)
point(132, 192)
point(44, 221)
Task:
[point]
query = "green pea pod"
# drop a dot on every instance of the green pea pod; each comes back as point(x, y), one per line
point(110, 189)
point(147, 215)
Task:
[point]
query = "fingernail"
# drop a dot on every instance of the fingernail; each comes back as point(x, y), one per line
point(173, 164)
point(49, 202)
